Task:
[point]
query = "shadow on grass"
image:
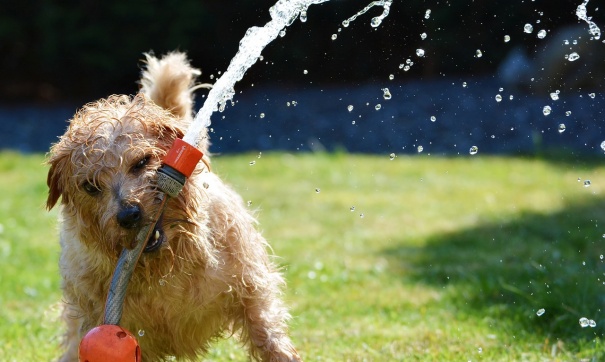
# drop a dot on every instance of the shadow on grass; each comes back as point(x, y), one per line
point(509, 270)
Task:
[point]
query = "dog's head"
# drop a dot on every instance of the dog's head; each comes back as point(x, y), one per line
point(104, 171)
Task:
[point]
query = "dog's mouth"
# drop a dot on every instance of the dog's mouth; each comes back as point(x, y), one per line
point(157, 238)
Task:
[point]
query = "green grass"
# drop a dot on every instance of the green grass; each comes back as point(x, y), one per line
point(451, 260)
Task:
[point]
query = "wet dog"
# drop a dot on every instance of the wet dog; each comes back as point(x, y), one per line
point(205, 271)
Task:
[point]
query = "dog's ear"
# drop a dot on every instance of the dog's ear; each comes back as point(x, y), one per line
point(55, 180)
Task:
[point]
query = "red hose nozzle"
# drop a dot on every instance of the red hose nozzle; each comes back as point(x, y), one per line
point(178, 165)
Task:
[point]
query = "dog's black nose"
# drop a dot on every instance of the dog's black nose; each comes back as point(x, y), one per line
point(129, 216)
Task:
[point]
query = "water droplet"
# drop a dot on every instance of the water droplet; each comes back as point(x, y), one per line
point(420, 149)
point(420, 52)
point(317, 190)
point(478, 53)
point(540, 312)
point(386, 93)
point(392, 156)
point(162, 282)
point(378, 106)
point(423, 36)
point(361, 215)
point(205, 184)
point(506, 38)
point(141, 332)
point(554, 96)
point(376, 21)
point(473, 150)
point(511, 97)
point(584, 322)
point(352, 208)
point(262, 115)
point(586, 183)
point(294, 103)
point(601, 256)
point(391, 77)
point(346, 23)
point(561, 127)
point(427, 14)
point(464, 84)
point(406, 68)
point(568, 113)
point(350, 107)
point(498, 98)
point(542, 34)
point(282, 33)
point(334, 36)
point(546, 110)
point(252, 163)
point(249, 203)
point(305, 71)
point(592, 323)
point(480, 350)
point(528, 28)
point(592, 95)
point(573, 57)
point(303, 16)
point(433, 118)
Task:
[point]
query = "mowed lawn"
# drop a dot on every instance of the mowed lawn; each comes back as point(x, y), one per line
point(419, 258)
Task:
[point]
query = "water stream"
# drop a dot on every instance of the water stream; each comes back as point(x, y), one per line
point(283, 14)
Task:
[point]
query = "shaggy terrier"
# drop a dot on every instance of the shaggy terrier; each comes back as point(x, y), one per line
point(205, 272)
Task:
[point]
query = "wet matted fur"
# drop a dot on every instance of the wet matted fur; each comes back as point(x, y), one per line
point(210, 274)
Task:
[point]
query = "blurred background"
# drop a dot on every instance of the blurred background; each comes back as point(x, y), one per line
point(57, 55)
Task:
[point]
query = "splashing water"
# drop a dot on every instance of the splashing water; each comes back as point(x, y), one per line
point(554, 95)
point(572, 57)
point(376, 21)
point(585, 322)
point(283, 14)
point(386, 94)
point(581, 13)
point(542, 34)
point(562, 127)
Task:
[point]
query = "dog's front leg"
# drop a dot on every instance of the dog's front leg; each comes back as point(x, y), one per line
point(265, 324)
point(73, 334)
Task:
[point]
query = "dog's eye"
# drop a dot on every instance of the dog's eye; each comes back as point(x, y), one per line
point(141, 163)
point(91, 189)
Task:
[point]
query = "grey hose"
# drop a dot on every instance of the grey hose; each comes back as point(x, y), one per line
point(124, 268)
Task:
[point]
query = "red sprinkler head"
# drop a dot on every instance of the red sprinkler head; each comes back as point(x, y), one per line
point(109, 343)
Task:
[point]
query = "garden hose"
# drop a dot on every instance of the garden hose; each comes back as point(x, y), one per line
point(109, 341)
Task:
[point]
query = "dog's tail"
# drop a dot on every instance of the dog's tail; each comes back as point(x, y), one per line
point(169, 82)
